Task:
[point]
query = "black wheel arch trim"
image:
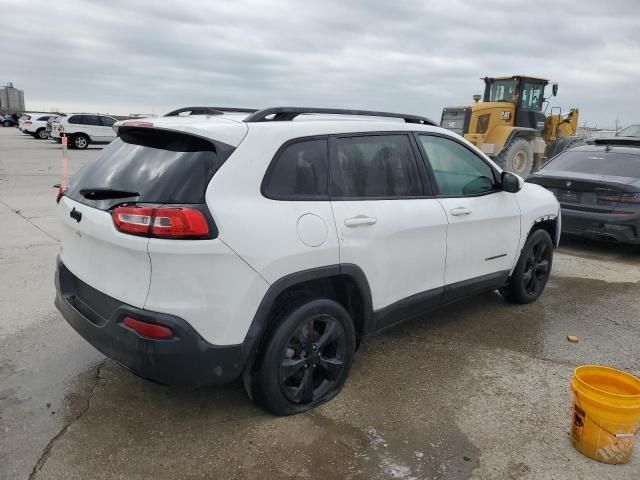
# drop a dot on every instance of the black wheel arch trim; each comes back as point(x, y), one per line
point(554, 218)
point(260, 322)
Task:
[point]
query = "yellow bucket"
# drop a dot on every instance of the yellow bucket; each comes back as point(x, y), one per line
point(606, 413)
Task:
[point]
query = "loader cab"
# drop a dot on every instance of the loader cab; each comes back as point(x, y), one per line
point(527, 93)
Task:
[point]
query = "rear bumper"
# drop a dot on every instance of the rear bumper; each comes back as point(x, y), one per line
point(603, 226)
point(185, 360)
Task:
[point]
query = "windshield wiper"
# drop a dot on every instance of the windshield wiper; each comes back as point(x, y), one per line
point(106, 193)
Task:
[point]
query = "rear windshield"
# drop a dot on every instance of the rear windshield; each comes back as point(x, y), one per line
point(630, 131)
point(149, 166)
point(597, 163)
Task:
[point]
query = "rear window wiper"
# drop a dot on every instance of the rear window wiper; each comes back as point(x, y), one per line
point(106, 193)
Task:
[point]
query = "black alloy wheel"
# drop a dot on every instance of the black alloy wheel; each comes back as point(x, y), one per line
point(306, 356)
point(313, 359)
point(536, 270)
point(532, 271)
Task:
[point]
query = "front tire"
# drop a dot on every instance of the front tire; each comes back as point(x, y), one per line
point(518, 158)
point(42, 134)
point(532, 271)
point(80, 141)
point(306, 359)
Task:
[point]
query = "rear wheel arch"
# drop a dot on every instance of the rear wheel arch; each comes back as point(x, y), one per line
point(346, 284)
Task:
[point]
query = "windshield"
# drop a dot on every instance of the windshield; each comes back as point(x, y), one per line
point(630, 131)
point(503, 90)
point(596, 163)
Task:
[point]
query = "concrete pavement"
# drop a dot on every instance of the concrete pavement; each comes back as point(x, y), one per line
point(477, 390)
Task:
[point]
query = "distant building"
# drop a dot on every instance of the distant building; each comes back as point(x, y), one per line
point(11, 99)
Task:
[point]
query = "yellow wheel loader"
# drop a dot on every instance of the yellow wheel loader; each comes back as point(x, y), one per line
point(511, 125)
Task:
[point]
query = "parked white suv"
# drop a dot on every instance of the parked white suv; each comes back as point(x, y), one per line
point(197, 249)
point(35, 124)
point(83, 129)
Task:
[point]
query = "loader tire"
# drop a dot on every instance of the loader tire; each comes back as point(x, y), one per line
point(517, 158)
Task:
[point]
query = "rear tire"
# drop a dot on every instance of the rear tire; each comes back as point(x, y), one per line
point(42, 134)
point(306, 359)
point(518, 158)
point(532, 272)
point(80, 141)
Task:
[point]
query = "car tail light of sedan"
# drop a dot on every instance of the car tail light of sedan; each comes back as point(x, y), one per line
point(632, 198)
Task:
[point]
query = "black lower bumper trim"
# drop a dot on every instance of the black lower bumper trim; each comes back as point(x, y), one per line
point(185, 360)
point(601, 227)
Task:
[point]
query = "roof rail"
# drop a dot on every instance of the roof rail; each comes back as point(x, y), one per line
point(209, 111)
point(613, 141)
point(289, 113)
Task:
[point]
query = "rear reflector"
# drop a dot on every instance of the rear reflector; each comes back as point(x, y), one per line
point(147, 329)
point(162, 222)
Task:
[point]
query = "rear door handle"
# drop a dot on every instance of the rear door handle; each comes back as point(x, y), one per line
point(360, 221)
point(459, 211)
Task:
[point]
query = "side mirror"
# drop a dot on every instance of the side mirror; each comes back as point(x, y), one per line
point(511, 182)
point(554, 89)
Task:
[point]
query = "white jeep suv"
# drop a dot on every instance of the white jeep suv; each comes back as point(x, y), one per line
point(202, 248)
point(83, 129)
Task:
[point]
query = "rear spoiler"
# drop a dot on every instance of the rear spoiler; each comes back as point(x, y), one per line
point(613, 141)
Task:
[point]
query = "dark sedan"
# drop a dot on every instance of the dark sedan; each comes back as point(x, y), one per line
point(598, 187)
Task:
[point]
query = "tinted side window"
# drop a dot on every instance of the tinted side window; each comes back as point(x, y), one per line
point(76, 119)
point(43, 119)
point(380, 166)
point(93, 120)
point(107, 121)
point(299, 172)
point(458, 171)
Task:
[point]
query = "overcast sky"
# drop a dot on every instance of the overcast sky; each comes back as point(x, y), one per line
point(150, 56)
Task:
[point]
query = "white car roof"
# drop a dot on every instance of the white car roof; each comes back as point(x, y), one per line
point(231, 129)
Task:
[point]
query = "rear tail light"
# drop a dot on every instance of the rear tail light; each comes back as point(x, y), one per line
point(148, 329)
point(161, 221)
point(633, 198)
point(628, 197)
point(28, 122)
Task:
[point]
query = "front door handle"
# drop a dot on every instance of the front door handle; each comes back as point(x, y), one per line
point(459, 211)
point(360, 221)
